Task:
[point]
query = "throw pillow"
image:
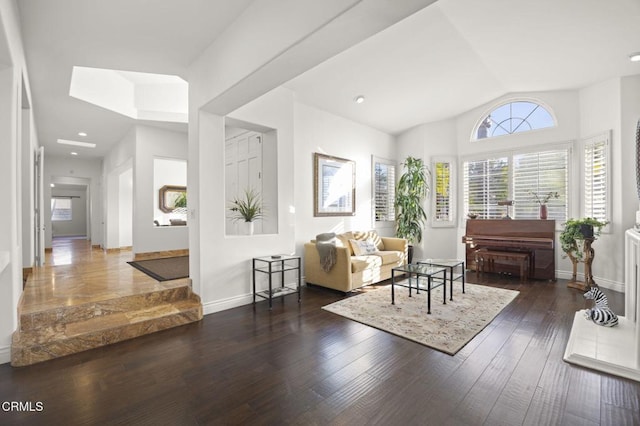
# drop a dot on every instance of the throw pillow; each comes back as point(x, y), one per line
point(363, 247)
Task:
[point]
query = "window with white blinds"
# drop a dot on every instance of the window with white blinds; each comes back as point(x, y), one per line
point(384, 190)
point(486, 182)
point(444, 191)
point(517, 177)
point(596, 177)
point(61, 209)
point(536, 175)
point(443, 187)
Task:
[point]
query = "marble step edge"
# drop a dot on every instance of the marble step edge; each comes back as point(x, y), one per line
point(99, 308)
point(31, 348)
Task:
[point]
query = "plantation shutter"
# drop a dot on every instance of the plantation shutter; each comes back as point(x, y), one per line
point(595, 179)
point(443, 192)
point(385, 192)
point(486, 182)
point(540, 173)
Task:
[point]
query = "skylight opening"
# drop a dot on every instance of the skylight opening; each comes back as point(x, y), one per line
point(137, 95)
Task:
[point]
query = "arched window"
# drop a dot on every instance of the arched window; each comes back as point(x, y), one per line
point(513, 117)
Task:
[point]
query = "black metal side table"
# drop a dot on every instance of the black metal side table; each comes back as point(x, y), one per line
point(278, 264)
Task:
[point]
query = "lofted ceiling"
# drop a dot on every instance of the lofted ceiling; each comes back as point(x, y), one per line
point(446, 59)
point(458, 54)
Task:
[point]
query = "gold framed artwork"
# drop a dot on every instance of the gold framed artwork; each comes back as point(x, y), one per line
point(334, 182)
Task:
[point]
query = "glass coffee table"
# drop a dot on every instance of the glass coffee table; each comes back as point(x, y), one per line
point(424, 271)
point(453, 265)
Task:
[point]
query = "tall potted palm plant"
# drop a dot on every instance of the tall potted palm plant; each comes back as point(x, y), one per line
point(411, 191)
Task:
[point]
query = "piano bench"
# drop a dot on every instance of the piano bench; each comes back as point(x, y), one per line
point(486, 259)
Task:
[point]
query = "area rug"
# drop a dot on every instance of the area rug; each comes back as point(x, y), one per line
point(448, 328)
point(164, 269)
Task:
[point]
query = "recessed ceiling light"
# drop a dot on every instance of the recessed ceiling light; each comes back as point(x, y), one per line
point(359, 99)
point(76, 143)
point(635, 57)
point(83, 134)
point(74, 153)
point(53, 185)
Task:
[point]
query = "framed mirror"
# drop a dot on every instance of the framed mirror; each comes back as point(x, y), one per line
point(172, 197)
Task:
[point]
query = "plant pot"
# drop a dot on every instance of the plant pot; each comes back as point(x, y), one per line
point(586, 231)
point(543, 211)
point(248, 228)
point(409, 253)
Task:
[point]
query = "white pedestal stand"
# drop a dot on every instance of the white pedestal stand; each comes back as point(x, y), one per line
point(614, 350)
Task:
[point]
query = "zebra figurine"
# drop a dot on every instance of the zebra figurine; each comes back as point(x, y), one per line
point(601, 314)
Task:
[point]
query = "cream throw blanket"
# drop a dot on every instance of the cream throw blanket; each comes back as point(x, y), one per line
point(326, 245)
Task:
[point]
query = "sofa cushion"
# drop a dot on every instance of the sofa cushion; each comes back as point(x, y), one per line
point(369, 235)
point(343, 240)
point(360, 263)
point(363, 247)
point(390, 256)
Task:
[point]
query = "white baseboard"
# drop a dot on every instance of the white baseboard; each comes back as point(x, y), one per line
point(602, 282)
point(233, 302)
point(228, 303)
point(5, 354)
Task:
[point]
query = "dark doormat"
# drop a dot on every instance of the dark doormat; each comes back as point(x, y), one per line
point(165, 269)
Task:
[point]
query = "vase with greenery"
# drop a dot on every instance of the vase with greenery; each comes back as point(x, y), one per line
point(412, 189)
point(575, 231)
point(543, 200)
point(247, 208)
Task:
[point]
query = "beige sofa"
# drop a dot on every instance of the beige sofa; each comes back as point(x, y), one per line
point(352, 271)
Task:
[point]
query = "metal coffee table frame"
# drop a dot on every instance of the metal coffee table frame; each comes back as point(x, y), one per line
point(421, 271)
point(451, 264)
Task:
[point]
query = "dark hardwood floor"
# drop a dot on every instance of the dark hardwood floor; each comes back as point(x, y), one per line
point(301, 365)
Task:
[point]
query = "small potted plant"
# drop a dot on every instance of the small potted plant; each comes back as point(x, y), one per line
point(248, 208)
point(576, 230)
point(411, 191)
point(543, 200)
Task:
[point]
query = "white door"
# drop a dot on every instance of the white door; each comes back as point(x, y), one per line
point(243, 171)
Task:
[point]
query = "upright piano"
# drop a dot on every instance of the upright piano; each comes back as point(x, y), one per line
point(535, 237)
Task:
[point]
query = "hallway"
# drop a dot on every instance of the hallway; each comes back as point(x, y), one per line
point(76, 273)
point(85, 297)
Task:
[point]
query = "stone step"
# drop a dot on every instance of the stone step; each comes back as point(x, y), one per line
point(69, 337)
point(61, 315)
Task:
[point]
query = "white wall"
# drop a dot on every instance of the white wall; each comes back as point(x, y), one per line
point(77, 226)
point(117, 162)
point(630, 103)
point(150, 143)
point(325, 133)
point(222, 266)
point(600, 110)
point(125, 209)
point(427, 141)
